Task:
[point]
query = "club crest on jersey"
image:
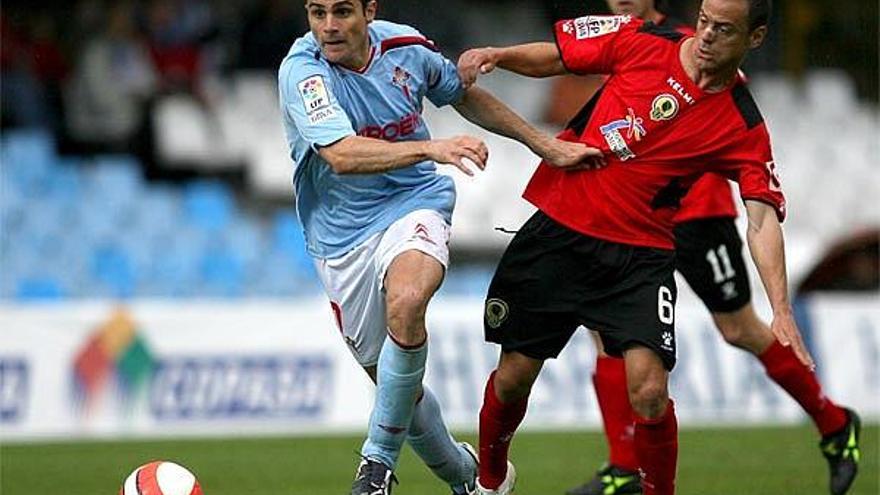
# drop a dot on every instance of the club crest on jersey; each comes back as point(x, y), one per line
point(664, 107)
point(593, 26)
point(497, 312)
point(316, 99)
point(613, 134)
point(401, 78)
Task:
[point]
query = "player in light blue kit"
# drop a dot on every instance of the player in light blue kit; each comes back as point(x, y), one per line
point(376, 214)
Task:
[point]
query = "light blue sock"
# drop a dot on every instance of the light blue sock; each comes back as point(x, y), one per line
point(431, 440)
point(399, 382)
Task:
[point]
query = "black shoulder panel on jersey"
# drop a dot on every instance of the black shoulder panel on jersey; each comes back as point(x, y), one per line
point(662, 30)
point(675, 23)
point(670, 196)
point(579, 122)
point(746, 105)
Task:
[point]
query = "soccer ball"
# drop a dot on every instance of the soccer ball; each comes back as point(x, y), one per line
point(161, 478)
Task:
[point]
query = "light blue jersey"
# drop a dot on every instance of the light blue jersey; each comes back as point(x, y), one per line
point(323, 103)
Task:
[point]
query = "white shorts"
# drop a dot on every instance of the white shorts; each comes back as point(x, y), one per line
point(355, 281)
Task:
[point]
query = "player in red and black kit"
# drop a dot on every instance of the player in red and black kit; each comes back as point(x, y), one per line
point(708, 253)
point(599, 252)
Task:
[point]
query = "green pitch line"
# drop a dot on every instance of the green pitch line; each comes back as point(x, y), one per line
point(755, 461)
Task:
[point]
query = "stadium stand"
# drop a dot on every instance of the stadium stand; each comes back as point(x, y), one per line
point(93, 227)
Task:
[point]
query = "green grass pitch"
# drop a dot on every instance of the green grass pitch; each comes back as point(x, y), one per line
point(729, 461)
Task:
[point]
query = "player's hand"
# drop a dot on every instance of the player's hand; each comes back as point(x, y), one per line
point(572, 156)
point(474, 62)
point(455, 150)
point(786, 331)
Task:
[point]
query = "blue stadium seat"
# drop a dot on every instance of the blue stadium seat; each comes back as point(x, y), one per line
point(114, 270)
point(171, 270)
point(222, 273)
point(287, 239)
point(467, 280)
point(116, 176)
point(66, 181)
point(39, 289)
point(278, 277)
point(247, 239)
point(27, 159)
point(159, 211)
point(209, 205)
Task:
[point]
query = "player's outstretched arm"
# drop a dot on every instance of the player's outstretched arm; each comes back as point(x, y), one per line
point(530, 59)
point(485, 110)
point(363, 155)
point(767, 247)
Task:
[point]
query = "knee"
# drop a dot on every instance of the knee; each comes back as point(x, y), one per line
point(406, 315)
point(733, 331)
point(512, 385)
point(649, 398)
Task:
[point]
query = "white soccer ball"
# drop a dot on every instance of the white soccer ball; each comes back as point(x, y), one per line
point(161, 478)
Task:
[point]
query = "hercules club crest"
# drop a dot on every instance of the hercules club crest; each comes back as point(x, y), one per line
point(664, 107)
point(497, 312)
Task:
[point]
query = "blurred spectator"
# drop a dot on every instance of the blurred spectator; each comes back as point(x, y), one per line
point(177, 31)
point(440, 20)
point(33, 70)
point(844, 35)
point(114, 80)
point(270, 27)
point(851, 264)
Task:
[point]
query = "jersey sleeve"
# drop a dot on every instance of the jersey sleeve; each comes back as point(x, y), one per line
point(755, 171)
point(590, 44)
point(444, 86)
point(307, 99)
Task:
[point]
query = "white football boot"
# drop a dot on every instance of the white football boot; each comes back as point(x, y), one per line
point(505, 488)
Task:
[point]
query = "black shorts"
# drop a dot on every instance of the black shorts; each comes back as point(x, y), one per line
point(708, 253)
point(552, 279)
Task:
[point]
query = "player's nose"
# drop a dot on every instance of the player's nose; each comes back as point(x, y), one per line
point(330, 25)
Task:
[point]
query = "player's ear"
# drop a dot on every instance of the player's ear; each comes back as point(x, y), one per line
point(370, 10)
point(756, 37)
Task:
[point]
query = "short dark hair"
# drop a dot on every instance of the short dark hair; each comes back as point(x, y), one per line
point(759, 13)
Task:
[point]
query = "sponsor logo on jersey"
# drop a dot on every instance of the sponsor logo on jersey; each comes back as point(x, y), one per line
point(618, 145)
point(679, 88)
point(421, 232)
point(593, 26)
point(393, 131)
point(497, 312)
point(316, 99)
point(664, 107)
point(613, 133)
point(667, 342)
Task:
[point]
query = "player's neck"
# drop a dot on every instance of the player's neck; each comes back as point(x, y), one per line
point(709, 81)
point(359, 59)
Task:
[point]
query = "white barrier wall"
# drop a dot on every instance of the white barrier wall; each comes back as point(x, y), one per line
point(87, 370)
